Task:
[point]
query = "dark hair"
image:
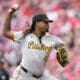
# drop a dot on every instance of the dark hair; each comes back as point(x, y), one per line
point(32, 27)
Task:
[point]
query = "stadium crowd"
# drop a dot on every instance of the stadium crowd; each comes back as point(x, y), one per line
point(66, 25)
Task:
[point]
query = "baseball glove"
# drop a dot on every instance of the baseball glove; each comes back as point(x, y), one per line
point(62, 56)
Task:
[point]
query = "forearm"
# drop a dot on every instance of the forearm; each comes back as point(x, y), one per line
point(62, 55)
point(7, 24)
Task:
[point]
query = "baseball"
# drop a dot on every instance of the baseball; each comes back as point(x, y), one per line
point(15, 6)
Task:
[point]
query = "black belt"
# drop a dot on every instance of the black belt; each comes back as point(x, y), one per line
point(25, 70)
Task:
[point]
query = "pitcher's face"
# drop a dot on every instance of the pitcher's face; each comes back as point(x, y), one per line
point(42, 26)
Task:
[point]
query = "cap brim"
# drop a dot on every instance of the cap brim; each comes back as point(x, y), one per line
point(47, 20)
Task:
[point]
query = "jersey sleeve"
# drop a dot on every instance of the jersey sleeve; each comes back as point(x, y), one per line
point(17, 35)
point(57, 41)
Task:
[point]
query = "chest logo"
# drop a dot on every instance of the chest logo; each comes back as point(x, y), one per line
point(33, 45)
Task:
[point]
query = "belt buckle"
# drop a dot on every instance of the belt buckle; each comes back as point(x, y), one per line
point(36, 76)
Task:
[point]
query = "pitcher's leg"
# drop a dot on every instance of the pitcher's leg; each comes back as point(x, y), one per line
point(47, 76)
point(19, 74)
point(16, 73)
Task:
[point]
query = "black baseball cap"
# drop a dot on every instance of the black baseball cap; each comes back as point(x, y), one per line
point(41, 17)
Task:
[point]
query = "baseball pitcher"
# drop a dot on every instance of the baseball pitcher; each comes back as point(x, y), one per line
point(36, 44)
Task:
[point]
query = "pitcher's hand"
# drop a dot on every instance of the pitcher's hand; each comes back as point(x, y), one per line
point(13, 8)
